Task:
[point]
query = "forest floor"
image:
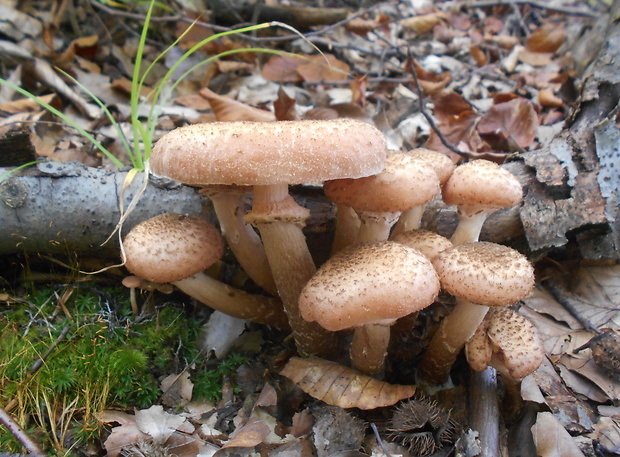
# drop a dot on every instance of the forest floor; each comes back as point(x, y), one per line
point(87, 368)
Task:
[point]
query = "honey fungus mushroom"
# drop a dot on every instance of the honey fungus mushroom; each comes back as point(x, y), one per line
point(176, 248)
point(479, 275)
point(367, 287)
point(269, 156)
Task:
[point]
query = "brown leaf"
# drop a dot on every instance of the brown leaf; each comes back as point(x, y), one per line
point(424, 22)
point(460, 131)
point(551, 439)
point(547, 98)
point(536, 59)
point(546, 38)
point(318, 69)
point(513, 121)
point(25, 104)
point(284, 107)
point(341, 386)
point(227, 109)
point(253, 433)
point(449, 104)
point(282, 69)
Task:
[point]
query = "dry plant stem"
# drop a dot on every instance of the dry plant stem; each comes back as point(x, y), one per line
point(13, 427)
point(454, 331)
point(409, 220)
point(347, 227)
point(280, 220)
point(234, 302)
point(243, 241)
point(484, 410)
point(471, 221)
point(375, 226)
point(369, 348)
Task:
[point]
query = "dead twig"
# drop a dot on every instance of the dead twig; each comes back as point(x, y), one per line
point(428, 117)
point(13, 427)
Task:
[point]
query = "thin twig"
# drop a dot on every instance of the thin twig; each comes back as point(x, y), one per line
point(428, 117)
point(13, 427)
point(543, 5)
point(379, 440)
point(39, 362)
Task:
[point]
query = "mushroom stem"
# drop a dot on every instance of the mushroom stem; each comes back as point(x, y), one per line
point(243, 241)
point(471, 220)
point(280, 220)
point(347, 227)
point(484, 410)
point(369, 348)
point(409, 220)
point(234, 302)
point(454, 331)
point(375, 226)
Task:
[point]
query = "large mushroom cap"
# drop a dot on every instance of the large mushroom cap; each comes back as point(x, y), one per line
point(439, 162)
point(369, 283)
point(485, 273)
point(171, 247)
point(402, 184)
point(265, 153)
point(429, 243)
point(482, 183)
point(508, 341)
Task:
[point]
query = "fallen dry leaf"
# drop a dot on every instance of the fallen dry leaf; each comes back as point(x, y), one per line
point(546, 38)
point(551, 439)
point(323, 68)
point(510, 122)
point(338, 385)
point(157, 423)
point(423, 23)
point(227, 109)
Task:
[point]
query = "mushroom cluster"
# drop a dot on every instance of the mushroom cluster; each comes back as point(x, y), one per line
point(369, 282)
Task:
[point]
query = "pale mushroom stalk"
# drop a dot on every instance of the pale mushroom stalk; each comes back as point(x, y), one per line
point(409, 220)
point(280, 220)
point(242, 240)
point(454, 331)
point(347, 226)
point(369, 348)
point(471, 220)
point(375, 226)
point(232, 301)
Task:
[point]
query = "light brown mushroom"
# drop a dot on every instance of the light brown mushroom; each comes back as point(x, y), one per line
point(443, 167)
point(176, 248)
point(270, 156)
point(430, 244)
point(479, 188)
point(479, 275)
point(367, 287)
point(403, 184)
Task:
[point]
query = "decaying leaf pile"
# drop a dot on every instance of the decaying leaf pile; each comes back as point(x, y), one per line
point(469, 79)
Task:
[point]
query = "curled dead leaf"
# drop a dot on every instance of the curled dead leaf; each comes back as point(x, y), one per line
point(341, 386)
point(546, 38)
point(227, 109)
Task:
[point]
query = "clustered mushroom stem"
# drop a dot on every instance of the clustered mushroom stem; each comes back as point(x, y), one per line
point(234, 302)
point(375, 226)
point(470, 225)
point(409, 220)
point(347, 227)
point(369, 348)
point(454, 331)
point(291, 264)
point(243, 241)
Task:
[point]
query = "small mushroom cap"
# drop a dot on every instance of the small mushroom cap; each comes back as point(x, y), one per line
point(485, 273)
point(508, 341)
point(265, 153)
point(482, 183)
point(429, 243)
point(441, 163)
point(369, 283)
point(171, 247)
point(403, 184)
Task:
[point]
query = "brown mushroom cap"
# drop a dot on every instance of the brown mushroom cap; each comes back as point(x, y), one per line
point(265, 153)
point(403, 184)
point(430, 244)
point(482, 183)
point(510, 339)
point(171, 247)
point(485, 273)
point(369, 283)
point(441, 163)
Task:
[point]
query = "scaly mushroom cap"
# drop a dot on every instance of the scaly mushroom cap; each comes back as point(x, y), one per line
point(265, 153)
point(482, 183)
point(429, 243)
point(441, 163)
point(485, 273)
point(171, 247)
point(403, 184)
point(506, 338)
point(369, 283)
